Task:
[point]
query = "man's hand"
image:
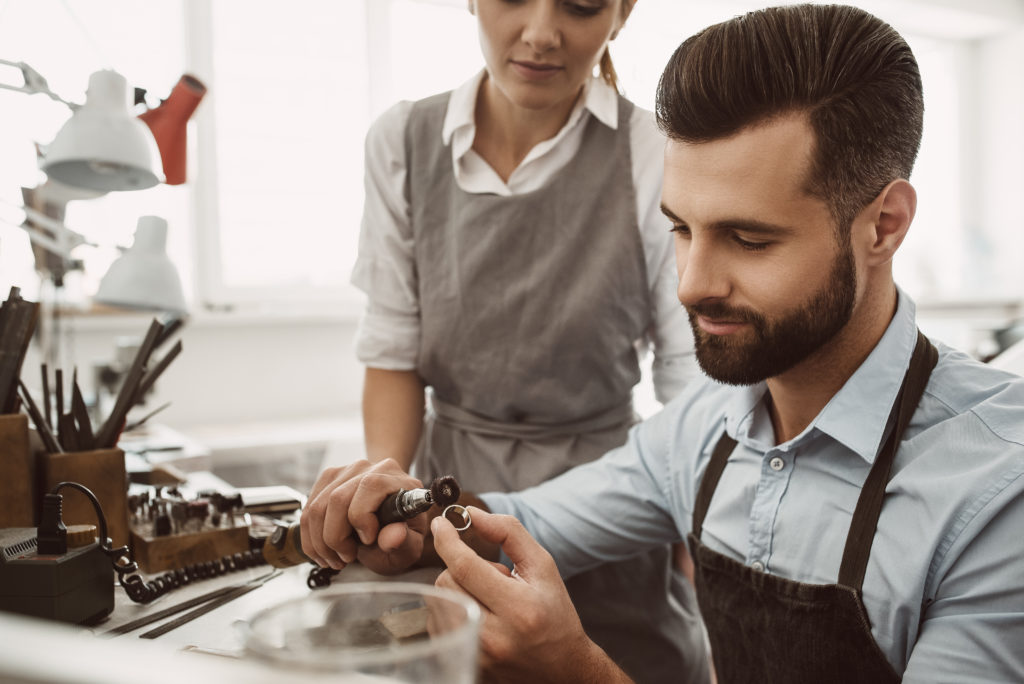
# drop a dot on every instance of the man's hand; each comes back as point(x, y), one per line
point(339, 523)
point(530, 630)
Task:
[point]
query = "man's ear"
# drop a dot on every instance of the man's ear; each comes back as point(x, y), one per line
point(883, 224)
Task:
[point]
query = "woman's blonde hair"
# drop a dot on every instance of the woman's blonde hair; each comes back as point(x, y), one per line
point(605, 66)
point(607, 70)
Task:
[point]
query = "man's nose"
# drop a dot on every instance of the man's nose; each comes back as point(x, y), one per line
point(702, 276)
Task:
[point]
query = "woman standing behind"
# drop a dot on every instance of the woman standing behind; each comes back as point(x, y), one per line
point(514, 256)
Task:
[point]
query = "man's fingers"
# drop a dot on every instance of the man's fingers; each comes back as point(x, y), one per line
point(307, 535)
point(373, 488)
point(314, 528)
point(339, 523)
point(477, 576)
point(500, 567)
point(508, 533)
point(392, 536)
point(319, 523)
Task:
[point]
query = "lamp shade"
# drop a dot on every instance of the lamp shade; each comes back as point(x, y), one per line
point(102, 146)
point(169, 121)
point(144, 277)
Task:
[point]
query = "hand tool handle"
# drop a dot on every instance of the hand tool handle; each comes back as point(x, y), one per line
point(283, 547)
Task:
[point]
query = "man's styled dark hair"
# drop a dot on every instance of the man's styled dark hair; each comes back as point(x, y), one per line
point(851, 73)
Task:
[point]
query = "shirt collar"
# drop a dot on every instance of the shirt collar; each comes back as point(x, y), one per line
point(871, 391)
point(599, 98)
point(858, 415)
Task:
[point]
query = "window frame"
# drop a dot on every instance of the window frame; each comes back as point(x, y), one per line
point(212, 294)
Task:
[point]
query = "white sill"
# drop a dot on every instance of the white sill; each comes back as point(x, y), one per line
point(98, 319)
point(269, 434)
point(991, 308)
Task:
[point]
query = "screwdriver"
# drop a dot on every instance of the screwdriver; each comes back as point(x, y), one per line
point(283, 548)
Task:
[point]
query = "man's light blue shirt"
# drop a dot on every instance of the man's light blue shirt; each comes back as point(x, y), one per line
point(944, 588)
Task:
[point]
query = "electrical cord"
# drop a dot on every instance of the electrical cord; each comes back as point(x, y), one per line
point(141, 591)
point(320, 577)
point(52, 533)
point(52, 539)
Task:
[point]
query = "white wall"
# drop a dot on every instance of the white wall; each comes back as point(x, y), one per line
point(1001, 157)
point(266, 394)
point(241, 369)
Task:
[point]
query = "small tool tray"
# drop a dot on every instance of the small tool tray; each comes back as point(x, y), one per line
point(158, 554)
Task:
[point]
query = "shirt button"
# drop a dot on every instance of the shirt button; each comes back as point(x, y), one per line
point(777, 463)
point(757, 565)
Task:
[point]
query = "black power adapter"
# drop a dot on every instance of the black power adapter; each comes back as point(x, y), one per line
point(44, 574)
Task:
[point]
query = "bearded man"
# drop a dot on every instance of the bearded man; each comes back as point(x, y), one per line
point(852, 494)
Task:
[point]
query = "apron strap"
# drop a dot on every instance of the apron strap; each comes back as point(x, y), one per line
point(869, 505)
point(710, 482)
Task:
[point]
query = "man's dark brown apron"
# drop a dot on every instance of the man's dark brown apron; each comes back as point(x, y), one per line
point(765, 628)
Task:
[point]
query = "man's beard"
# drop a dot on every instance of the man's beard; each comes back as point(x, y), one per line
point(781, 343)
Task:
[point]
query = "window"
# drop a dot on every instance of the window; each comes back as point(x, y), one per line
point(293, 100)
point(283, 159)
point(65, 43)
point(272, 208)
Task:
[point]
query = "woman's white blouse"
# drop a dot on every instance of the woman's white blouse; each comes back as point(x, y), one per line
point(388, 336)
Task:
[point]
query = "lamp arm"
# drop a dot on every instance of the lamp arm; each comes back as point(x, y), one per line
point(33, 83)
point(62, 245)
point(47, 243)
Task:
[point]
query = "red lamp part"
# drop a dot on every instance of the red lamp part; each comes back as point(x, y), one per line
point(169, 121)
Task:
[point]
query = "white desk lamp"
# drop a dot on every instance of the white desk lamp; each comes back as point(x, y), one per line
point(144, 277)
point(102, 147)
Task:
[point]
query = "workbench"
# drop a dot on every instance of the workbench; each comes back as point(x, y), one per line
point(32, 650)
point(216, 632)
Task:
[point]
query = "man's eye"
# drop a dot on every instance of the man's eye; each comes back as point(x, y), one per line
point(751, 246)
point(681, 230)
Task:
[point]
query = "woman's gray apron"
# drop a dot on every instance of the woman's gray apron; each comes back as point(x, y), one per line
point(529, 309)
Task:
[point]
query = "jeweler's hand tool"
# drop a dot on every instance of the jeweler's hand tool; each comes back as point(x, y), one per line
point(283, 547)
point(405, 504)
